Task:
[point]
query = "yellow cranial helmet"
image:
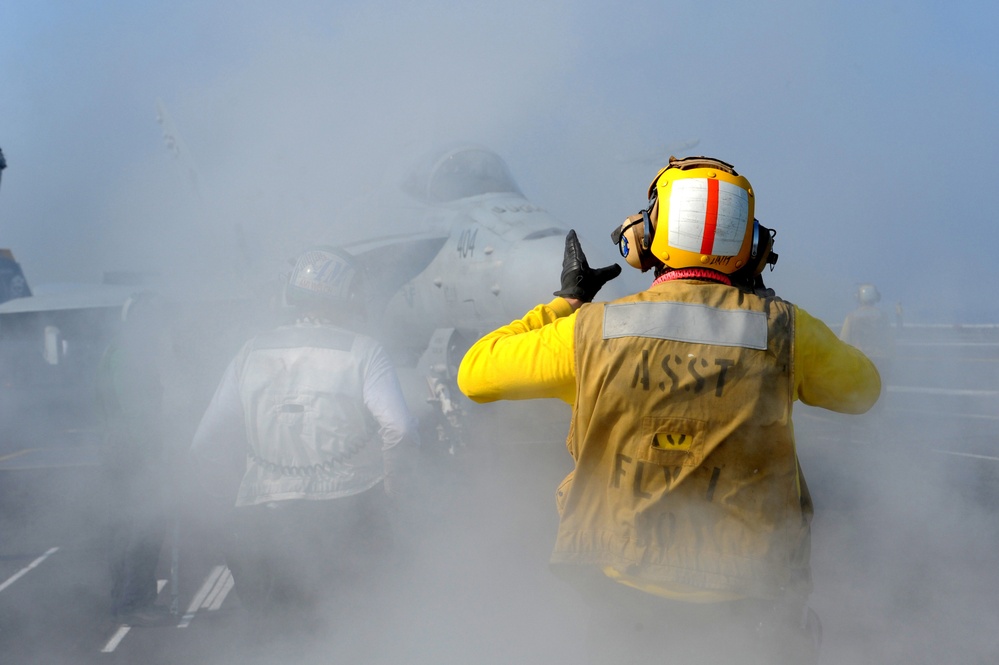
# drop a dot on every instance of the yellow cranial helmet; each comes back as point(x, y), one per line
point(702, 215)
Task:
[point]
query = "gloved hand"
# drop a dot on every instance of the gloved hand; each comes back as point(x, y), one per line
point(579, 280)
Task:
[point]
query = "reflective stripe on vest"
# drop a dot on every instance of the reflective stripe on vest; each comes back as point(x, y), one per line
point(686, 322)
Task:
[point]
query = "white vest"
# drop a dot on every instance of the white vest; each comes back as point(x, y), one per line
point(309, 432)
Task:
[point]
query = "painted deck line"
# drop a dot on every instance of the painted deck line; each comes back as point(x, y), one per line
point(23, 451)
point(944, 414)
point(51, 457)
point(116, 639)
point(229, 584)
point(948, 344)
point(199, 598)
point(950, 392)
point(24, 571)
point(990, 458)
point(123, 629)
point(217, 596)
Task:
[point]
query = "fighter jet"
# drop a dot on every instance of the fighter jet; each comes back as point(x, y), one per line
point(484, 256)
point(480, 254)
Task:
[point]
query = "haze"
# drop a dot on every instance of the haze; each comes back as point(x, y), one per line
point(860, 125)
point(866, 129)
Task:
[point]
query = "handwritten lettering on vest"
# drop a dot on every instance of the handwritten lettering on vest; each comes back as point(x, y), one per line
point(646, 478)
point(691, 374)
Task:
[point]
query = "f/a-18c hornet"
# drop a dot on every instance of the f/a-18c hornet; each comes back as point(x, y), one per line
point(484, 255)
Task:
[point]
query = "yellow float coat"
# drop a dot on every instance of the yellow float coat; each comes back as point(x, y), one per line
point(686, 481)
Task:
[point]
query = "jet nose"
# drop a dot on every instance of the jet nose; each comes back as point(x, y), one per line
point(531, 273)
point(534, 269)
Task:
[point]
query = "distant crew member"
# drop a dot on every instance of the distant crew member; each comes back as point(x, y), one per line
point(686, 518)
point(305, 438)
point(868, 329)
point(130, 393)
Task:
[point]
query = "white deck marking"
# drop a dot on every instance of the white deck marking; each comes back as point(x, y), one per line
point(116, 639)
point(953, 392)
point(990, 458)
point(945, 414)
point(199, 598)
point(24, 571)
point(949, 344)
point(123, 629)
point(15, 454)
point(222, 587)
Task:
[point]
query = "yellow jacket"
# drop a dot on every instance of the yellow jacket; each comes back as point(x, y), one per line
point(533, 357)
point(537, 356)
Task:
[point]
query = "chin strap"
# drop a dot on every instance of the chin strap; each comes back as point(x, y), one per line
point(693, 273)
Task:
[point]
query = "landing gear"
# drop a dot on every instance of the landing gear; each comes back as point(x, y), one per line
point(450, 425)
point(439, 366)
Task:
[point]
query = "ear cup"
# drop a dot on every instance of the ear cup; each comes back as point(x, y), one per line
point(633, 243)
point(761, 252)
point(650, 218)
point(634, 238)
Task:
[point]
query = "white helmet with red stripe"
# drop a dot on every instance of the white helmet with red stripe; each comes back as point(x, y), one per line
point(700, 214)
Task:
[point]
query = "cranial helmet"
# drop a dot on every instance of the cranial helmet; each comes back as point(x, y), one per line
point(323, 276)
point(700, 214)
point(868, 294)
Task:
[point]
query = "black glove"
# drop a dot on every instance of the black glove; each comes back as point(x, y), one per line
point(579, 281)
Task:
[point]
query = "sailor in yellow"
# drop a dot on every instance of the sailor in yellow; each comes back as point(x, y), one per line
point(687, 502)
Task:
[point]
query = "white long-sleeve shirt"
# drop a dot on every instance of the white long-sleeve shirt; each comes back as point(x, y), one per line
point(306, 411)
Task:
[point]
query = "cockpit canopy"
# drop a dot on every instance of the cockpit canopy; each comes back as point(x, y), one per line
point(458, 173)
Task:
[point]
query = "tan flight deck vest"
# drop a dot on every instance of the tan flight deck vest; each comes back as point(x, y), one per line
point(686, 472)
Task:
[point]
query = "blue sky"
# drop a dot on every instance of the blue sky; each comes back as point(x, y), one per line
point(866, 128)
